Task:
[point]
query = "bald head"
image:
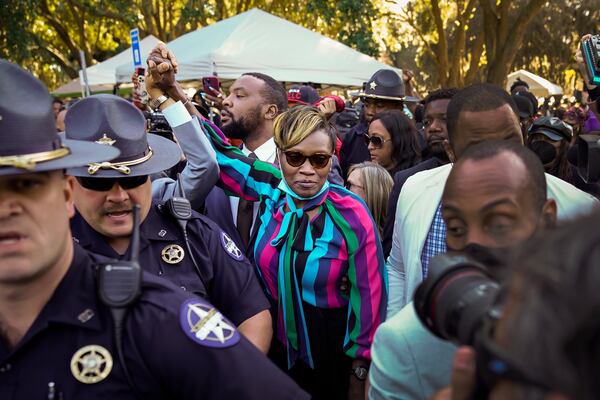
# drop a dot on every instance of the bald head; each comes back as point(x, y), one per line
point(495, 196)
point(481, 112)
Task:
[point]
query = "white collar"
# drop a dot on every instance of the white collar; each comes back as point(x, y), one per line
point(264, 152)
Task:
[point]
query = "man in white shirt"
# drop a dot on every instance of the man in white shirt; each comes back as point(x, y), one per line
point(247, 113)
point(476, 113)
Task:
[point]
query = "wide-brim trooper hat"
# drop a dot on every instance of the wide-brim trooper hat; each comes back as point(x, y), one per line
point(114, 122)
point(28, 138)
point(385, 84)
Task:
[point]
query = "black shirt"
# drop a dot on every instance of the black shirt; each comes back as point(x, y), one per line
point(176, 346)
point(228, 279)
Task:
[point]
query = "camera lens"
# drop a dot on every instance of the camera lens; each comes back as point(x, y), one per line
point(456, 296)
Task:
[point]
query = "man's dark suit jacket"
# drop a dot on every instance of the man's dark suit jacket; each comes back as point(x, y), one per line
point(399, 178)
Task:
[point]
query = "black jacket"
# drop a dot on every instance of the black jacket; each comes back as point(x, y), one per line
point(399, 179)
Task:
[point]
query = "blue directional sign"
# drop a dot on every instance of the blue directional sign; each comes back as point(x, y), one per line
point(135, 47)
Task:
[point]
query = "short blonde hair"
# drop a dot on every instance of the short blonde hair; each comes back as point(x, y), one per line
point(296, 124)
point(377, 185)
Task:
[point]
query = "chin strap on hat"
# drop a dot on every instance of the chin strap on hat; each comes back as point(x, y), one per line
point(122, 167)
point(28, 161)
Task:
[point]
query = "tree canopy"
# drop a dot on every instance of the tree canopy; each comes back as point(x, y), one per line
point(447, 43)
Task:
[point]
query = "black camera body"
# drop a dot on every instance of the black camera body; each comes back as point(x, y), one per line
point(456, 298)
point(158, 124)
point(588, 158)
point(590, 50)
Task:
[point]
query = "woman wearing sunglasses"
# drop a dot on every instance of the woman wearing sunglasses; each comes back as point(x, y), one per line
point(393, 142)
point(317, 252)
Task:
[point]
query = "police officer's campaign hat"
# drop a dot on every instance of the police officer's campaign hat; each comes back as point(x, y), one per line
point(115, 122)
point(385, 84)
point(552, 128)
point(28, 138)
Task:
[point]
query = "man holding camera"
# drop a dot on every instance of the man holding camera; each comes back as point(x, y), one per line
point(544, 342)
point(487, 210)
point(476, 113)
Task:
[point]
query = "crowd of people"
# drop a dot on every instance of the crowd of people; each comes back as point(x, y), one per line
point(272, 243)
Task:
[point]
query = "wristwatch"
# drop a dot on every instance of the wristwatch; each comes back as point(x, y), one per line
point(155, 103)
point(360, 372)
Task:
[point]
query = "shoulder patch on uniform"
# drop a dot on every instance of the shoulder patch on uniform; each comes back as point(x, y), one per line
point(231, 248)
point(202, 323)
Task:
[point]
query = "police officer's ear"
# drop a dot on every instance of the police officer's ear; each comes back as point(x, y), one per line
point(69, 189)
point(270, 111)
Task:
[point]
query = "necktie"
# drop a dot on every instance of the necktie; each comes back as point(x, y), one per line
point(245, 215)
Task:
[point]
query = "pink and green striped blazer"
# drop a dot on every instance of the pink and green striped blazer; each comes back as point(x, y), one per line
point(303, 261)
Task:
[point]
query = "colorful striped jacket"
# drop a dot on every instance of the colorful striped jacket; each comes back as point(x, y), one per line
point(304, 261)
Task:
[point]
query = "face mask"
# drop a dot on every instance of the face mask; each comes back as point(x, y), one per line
point(544, 150)
point(284, 187)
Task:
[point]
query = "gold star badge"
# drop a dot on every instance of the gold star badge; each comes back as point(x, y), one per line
point(373, 85)
point(106, 140)
point(91, 364)
point(172, 254)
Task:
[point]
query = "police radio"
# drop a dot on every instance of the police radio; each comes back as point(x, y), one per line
point(119, 287)
point(180, 208)
point(120, 282)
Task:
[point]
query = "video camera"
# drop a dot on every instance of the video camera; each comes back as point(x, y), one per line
point(457, 297)
point(590, 50)
point(461, 302)
point(158, 125)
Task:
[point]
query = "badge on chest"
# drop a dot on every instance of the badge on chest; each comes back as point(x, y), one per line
point(91, 364)
point(172, 254)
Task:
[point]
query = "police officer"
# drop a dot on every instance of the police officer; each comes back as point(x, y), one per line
point(199, 257)
point(57, 336)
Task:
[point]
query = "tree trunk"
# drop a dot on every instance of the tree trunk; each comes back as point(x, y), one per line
point(476, 53)
point(501, 61)
point(442, 48)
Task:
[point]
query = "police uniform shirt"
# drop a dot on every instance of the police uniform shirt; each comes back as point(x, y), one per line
point(176, 346)
point(228, 279)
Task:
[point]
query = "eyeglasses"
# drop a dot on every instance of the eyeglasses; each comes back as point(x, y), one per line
point(297, 159)
point(105, 184)
point(376, 141)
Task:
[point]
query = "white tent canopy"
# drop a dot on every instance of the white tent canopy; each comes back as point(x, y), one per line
point(539, 86)
point(260, 42)
point(104, 73)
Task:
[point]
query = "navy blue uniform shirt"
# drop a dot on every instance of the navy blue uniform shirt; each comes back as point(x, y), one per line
point(176, 346)
point(228, 279)
point(354, 150)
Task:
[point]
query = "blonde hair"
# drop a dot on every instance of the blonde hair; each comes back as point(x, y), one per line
point(377, 185)
point(293, 126)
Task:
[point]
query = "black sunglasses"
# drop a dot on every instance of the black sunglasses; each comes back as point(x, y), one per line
point(105, 184)
point(297, 159)
point(376, 141)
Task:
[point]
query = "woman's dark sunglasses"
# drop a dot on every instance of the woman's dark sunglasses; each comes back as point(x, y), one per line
point(376, 141)
point(105, 184)
point(296, 159)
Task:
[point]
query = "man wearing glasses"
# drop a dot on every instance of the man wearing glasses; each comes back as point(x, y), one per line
point(193, 253)
point(58, 334)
